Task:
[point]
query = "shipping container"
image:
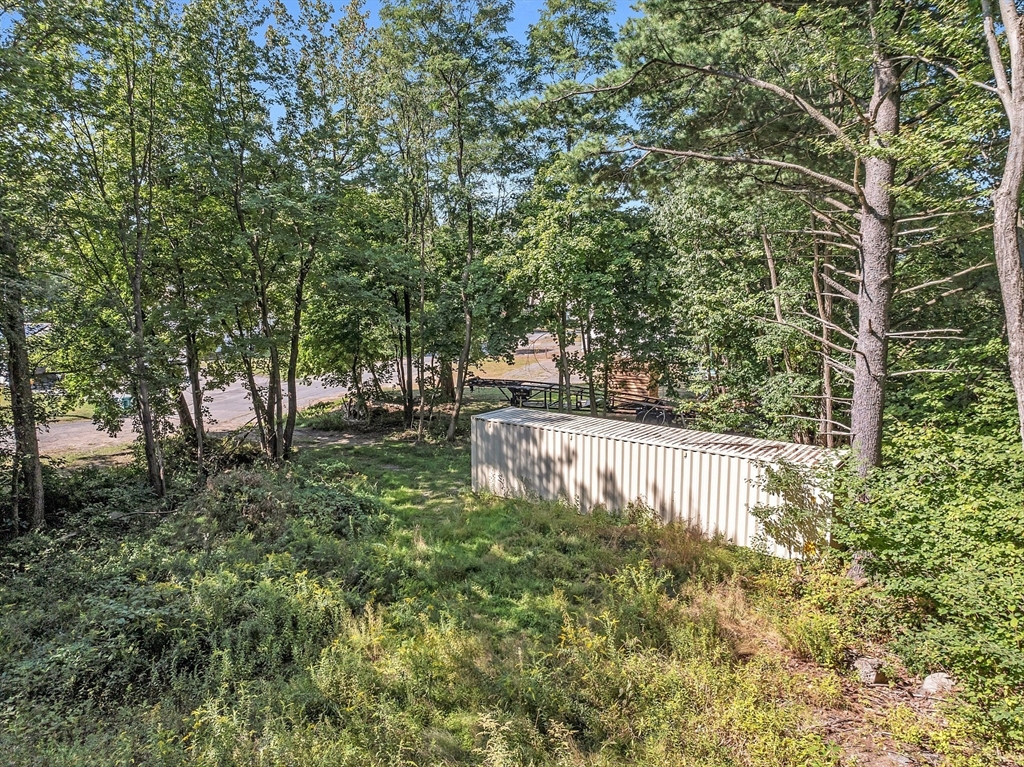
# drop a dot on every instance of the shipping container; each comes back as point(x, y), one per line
point(708, 481)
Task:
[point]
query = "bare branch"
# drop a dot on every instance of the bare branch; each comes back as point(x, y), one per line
point(819, 419)
point(809, 334)
point(951, 71)
point(901, 373)
point(923, 230)
point(845, 292)
point(839, 367)
point(934, 334)
point(941, 240)
point(742, 160)
point(831, 326)
point(945, 280)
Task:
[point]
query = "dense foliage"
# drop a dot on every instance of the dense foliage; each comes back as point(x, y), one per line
point(361, 608)
point(799, 220)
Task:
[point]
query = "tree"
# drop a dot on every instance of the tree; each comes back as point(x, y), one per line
point(281, 179)
point(813, 100)
point(34, 46)
point(1006, 198)
point(117, 150)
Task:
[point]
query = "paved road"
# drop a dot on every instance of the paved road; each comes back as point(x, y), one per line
point(230, 410)
point(533, 362)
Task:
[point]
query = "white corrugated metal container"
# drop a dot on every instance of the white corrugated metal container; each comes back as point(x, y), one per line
point(709, 481)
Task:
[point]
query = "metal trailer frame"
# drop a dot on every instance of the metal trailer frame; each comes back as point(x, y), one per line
point(544, 395)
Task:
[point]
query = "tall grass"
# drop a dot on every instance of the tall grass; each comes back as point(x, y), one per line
point(361, 607)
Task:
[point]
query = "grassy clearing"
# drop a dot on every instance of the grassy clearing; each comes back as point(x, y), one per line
point(362, 607)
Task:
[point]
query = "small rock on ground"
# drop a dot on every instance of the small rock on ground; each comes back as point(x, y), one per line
point(935, 685)
point(869, 671)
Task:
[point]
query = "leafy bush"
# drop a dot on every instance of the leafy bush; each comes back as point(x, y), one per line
point(294, 617)
point(944, 528)
point(801, 522)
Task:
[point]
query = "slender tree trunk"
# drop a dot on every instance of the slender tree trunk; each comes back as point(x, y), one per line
point(274, 412)
point(876, 285)
point(275, 403)
point(1006, 230)
point(604, 382)
point(773, 275)
point(27, 471)
point(563, 363)
point(140, 169)
point(293, 386)
point(258, 409)
point(293, 350)
point(823, 301)
point(196, 385)
point(460, 375)
point(422, 323)
point(467, 341)
point(410, 388)
point(147, 418)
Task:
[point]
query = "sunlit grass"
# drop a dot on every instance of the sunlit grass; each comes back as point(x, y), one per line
point(362, 606)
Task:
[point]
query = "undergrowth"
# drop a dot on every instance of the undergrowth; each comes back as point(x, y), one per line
point(360, 606)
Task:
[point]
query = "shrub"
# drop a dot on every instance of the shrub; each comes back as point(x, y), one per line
point(800, 524)
point(943, 524)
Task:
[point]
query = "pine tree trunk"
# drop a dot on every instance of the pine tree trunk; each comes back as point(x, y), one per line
point(876, 287)
point(1006, 230)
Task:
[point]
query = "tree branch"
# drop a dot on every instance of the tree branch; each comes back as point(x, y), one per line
point(945, 280)
point(739, 159)
point(995, 55)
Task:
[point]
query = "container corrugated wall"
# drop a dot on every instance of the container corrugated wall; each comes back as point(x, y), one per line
point(707, 481)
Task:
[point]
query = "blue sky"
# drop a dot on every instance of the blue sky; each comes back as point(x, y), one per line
point(526, 12)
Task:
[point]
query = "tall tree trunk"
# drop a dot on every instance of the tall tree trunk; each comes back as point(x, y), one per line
point(147, 417)
point(588, 348)
point(274, 413)
point(876, 286)
point(196, 385)
point(1008, 249)
point(467, 312)
point(275, 404)
point(446, 381)
point(293, 386)
point(422, 326)
point(563, 363)
point(1006, 231)
point(294, 337)
point(27, 471)
point(258, 408)
point(188, 426)
point(823, 300)
point(141, 168)
point(410, 387)
point(773, 275)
